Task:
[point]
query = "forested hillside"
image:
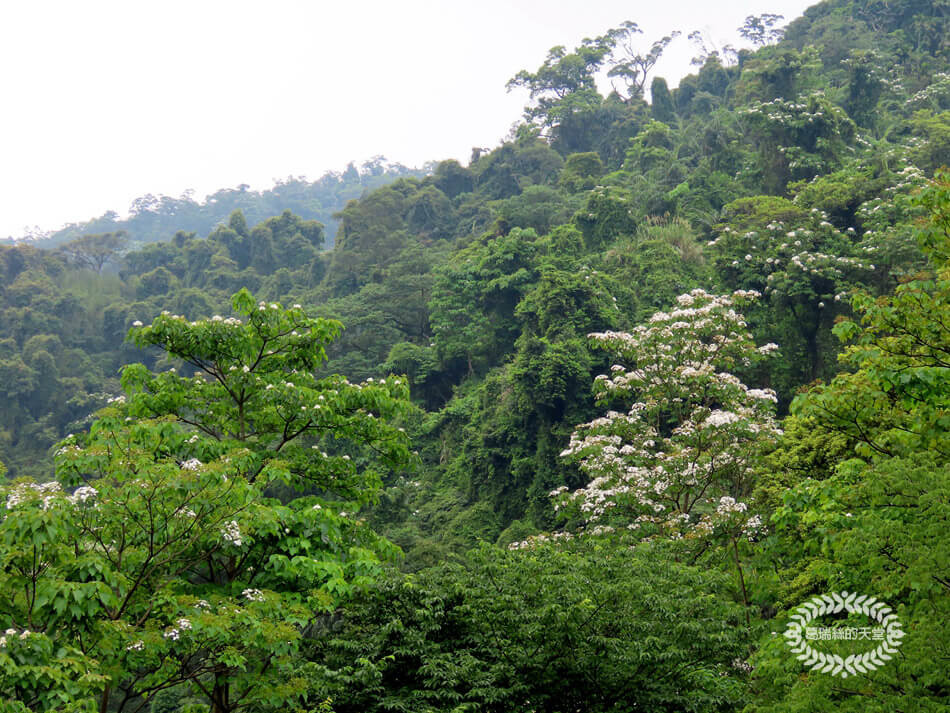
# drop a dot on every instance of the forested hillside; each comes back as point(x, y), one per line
point(623, 391)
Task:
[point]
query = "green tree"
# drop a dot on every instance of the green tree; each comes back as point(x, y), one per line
point(760, 30)
point(564, 84)
point(174, 563)
point(872, 518)
point(661, 101)
point(95, 251)
point(581, 171)
point(631, 66)
point(800, 261)
point(475, 295)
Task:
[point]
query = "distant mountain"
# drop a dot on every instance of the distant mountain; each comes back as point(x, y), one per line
point(155, 218)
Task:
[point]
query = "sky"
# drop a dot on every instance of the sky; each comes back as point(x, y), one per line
point(102, 102)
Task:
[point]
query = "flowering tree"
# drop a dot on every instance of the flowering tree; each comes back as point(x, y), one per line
point(880, 505)
point(800, 261)
point(677, 459)
point(172, 563)
point(798, 138)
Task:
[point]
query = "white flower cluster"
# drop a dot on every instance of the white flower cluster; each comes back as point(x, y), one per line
point(743, 666)
point(191, 464)
point(728, 505)
point(230, 321)
point(720, 418)
point(535, 540)
point(231, 532)
point(83, 494)
point(253, 595)
point(779, 260)
point(939, 88)
point(753, 527)
point(11, 633)
point(676, 479)
point(175, 633)
point(166, 313)
point(70, 449)
point(23, 492)
point(810, 111)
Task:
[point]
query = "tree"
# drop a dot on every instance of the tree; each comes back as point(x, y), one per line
point(661, 102)
point(475, 294)
point(95, 251)
point(564, 84)
point(633, 67)
point(173, 563)
point(727, 55)
point(678, 458)
point(895, 400)
point(581, 171)
point(867, 81)
point(799, 138)
point(803, 264)
point(760, 30)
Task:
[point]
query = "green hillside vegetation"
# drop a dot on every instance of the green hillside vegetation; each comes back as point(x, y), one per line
point(574, 427)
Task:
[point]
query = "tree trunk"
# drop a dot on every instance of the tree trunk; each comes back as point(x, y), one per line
point(219, 696)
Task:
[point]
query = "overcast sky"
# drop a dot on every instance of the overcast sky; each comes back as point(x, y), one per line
point(103, 102)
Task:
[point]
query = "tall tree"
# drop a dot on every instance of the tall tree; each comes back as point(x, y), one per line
point(631, 65)
point(760, 30)
point(95, 251)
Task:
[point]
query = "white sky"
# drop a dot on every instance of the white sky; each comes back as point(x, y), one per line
point(103, 102)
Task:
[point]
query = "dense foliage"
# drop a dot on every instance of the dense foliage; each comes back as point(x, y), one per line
point(625, 391)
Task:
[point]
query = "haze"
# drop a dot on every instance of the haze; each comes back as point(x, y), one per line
point(108, 101)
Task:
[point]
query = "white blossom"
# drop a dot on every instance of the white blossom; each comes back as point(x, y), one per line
point(253, 595)
point(82, 494)
point(231, 532)
point(175, 633)
point(672, 369)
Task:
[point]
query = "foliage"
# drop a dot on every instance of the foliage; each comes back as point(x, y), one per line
point(760, 29)
point(633, 67)
point(157, 218)
point(873, 519)
point(94, 251)
point(478, 284)
point(589, 628)
point(173, 563)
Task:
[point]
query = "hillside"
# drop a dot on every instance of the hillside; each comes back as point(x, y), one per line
point(709, 328)
point(156, 218)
